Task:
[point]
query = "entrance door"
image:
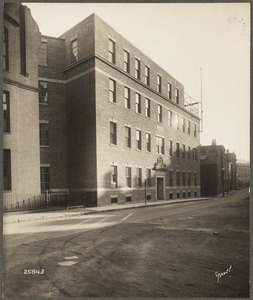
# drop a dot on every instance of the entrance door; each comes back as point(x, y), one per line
point(160, 188)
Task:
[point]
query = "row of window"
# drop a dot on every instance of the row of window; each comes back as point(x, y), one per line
point(137, 71)
point(183, 178)
point(112, 58)
point(189, 194)
point(180, 122)
point(160, 143)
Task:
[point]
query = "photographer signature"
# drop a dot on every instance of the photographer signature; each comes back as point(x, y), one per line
point(219, 275)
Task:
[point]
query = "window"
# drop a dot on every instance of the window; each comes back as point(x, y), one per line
point(170, 148)
point(128, 176)
point(195, 129)
point(148, 142)
point(113, 133)
point(137, 103)
point(188, 127)
point(22, 40)
point(170, 178)
point(44, 134)
point(177, 95)
point(169, 90)
point(159, 113)
point(183, 124)
point(44, 178)
point(43, 92)
point(137, 69)
point(148, 177)
point(114, 176)
point(189, 152)
point(126, 61)
point(112, 91)
point(195, 154)
point(177, 149)
point(177, 122)
point(7, 169)
point(183, 178)
point(138, 139)
point(147, 75)
point(178, 178)
point(183, 151)
point(6, 110)
point(5, 49)
point(114, 200)
point(189, 178)
point(74, 51)
point(160, 145)
point(159, 84)
point(43, 53)
point(111, 51)
point(128, 199)
point(170, 118)
point(147, 108)
point(127, 137)
point(139, 177)
point(127, 98)
point(195, 179)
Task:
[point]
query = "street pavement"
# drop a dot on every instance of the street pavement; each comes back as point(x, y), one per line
point(155, 251)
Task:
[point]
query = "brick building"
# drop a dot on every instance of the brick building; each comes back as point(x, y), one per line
point(113, 124)
point(21, 42)
point(243, 169)
point(218, 170)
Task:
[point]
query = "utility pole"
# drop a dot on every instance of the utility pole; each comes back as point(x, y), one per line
point(201, 101)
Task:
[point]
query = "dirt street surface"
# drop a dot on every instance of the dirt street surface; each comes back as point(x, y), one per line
point(184, 250)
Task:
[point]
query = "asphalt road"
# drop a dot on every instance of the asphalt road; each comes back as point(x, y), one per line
point(195, 249)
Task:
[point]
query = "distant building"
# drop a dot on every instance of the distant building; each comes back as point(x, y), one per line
point(218, 170)
point(243, 170)
point(112, 124)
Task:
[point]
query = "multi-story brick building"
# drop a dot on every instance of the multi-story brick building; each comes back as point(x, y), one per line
point(21, 42)
point(121, 117)
point(113, 124)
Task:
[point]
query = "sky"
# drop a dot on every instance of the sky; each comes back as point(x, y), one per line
point(183, 39)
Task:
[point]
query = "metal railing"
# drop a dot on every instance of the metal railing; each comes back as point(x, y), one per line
point(19, 202)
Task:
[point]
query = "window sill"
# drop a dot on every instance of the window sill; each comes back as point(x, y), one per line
point(113, 145)
point(44, 146)
point(43, 104)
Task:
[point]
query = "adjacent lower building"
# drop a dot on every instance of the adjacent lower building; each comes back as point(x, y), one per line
point(218, 170)
point(21, 153)
point(112, 124)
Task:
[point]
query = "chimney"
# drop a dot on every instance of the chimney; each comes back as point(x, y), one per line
point(213, 142)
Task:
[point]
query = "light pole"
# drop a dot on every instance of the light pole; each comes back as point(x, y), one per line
point(145, 191)
point(222, 174)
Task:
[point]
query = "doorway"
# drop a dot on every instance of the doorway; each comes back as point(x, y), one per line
point(160, 188)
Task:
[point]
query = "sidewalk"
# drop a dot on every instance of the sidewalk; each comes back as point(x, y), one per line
point(14, 217)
